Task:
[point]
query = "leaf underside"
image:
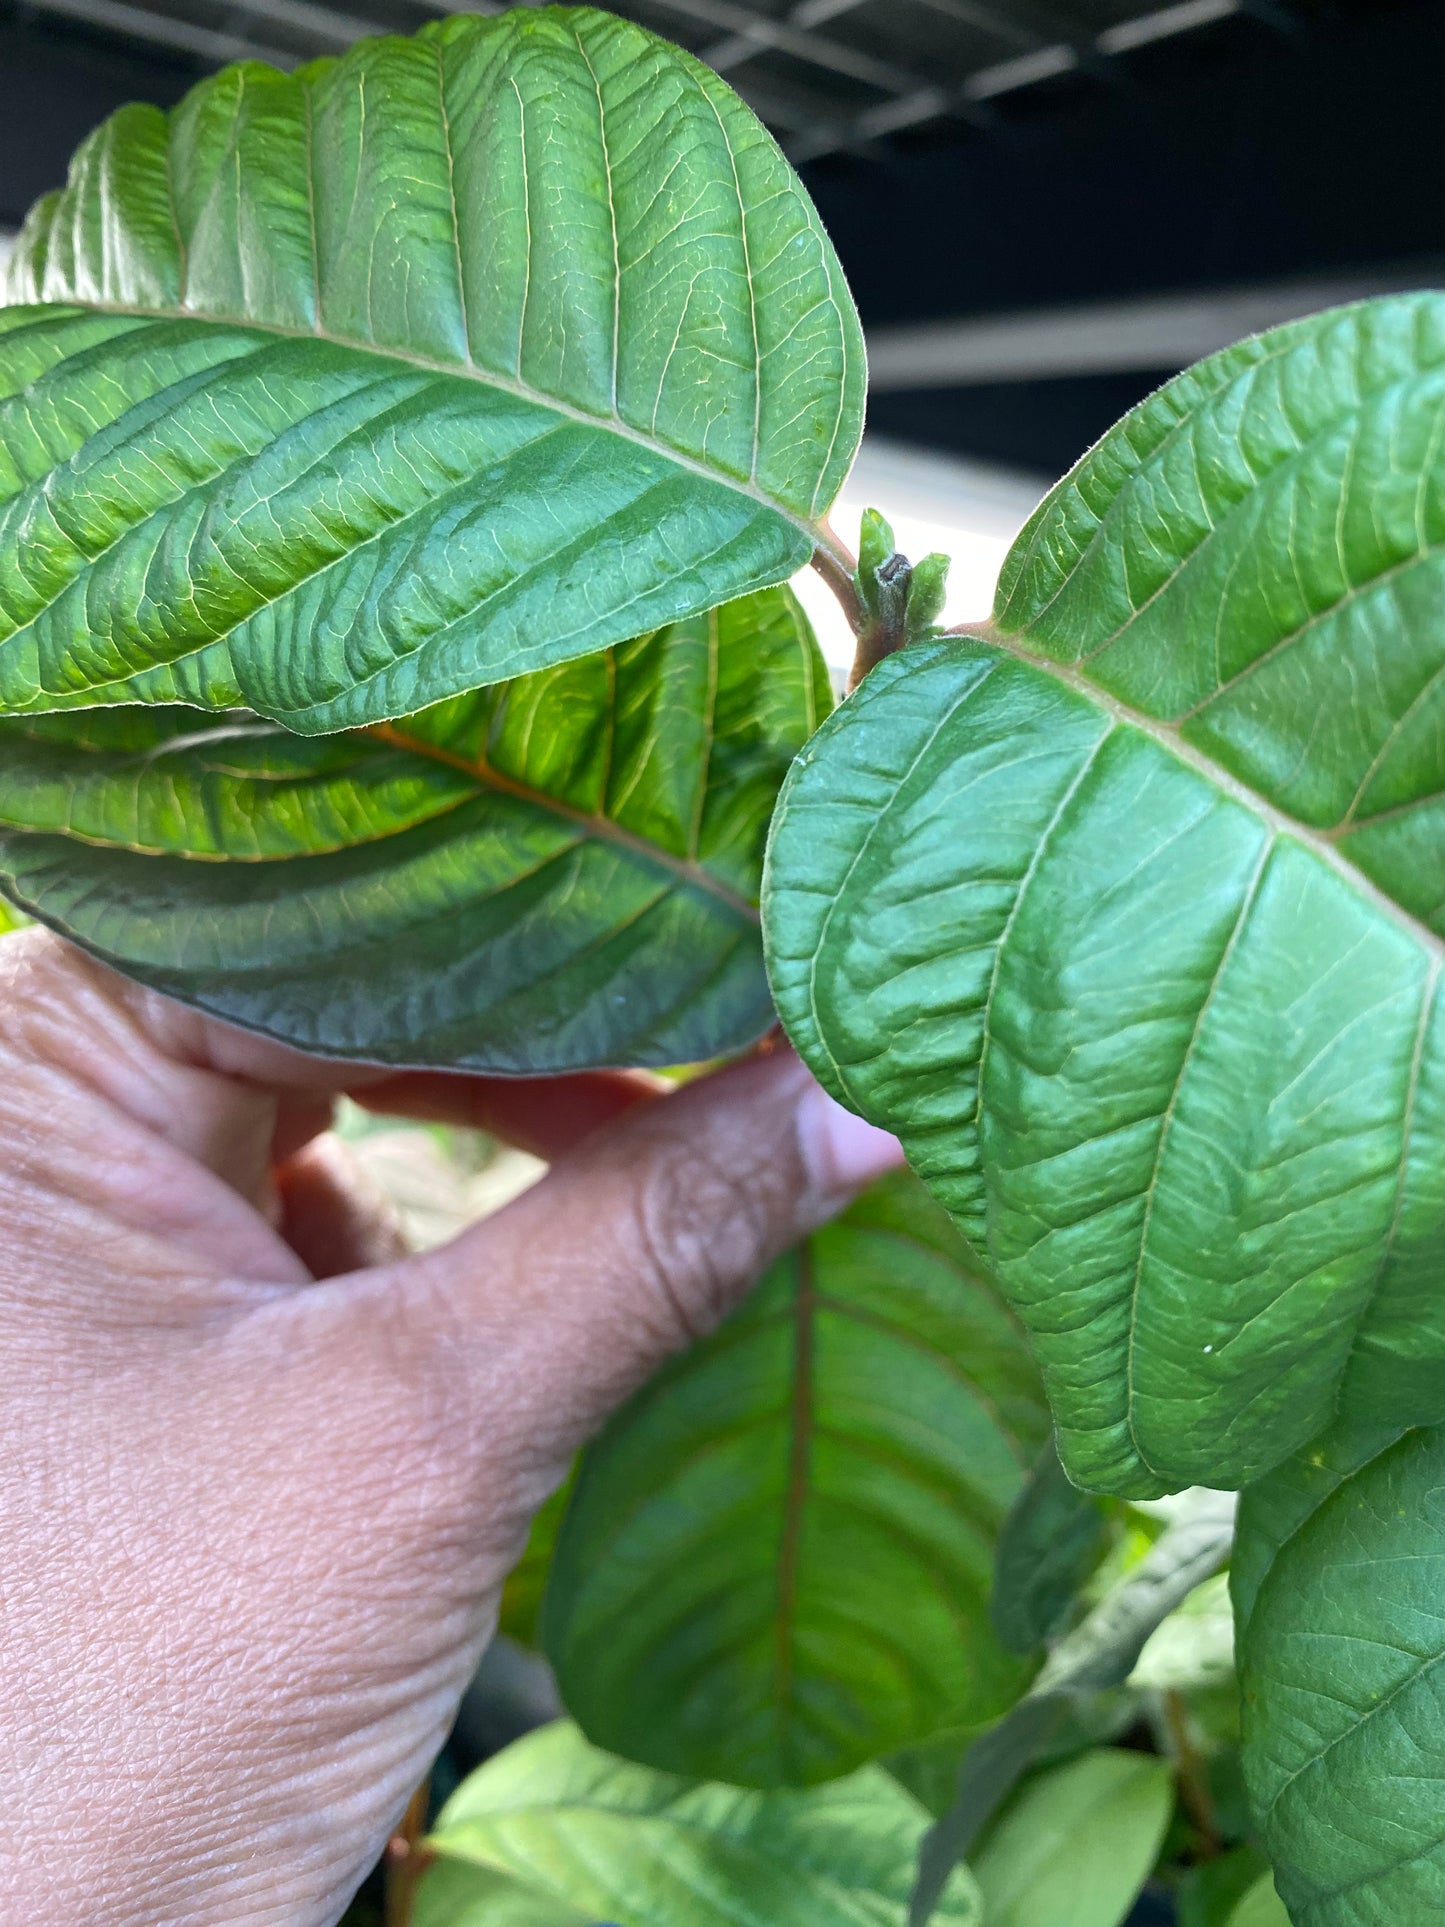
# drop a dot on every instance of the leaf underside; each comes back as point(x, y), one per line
point(777, 1561)
point(615, 1842)
point(338, 394)
point(1342, 1657)
point(551, 873)
point(1128, 917)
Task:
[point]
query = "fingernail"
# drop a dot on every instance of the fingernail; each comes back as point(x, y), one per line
point(842, 1152)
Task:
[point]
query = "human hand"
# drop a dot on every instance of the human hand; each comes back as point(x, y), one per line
point(254, 1527)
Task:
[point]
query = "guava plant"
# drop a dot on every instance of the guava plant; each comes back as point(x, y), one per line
point(401, 464)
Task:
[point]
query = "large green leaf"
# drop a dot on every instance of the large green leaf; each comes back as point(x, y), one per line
point(777, 1562)
point(1077, 1843)
point(1051, 1541)
point(459, 356)
point(553, 872)
point(1127, 917)
point(1342, 1655)
point(454, 1894)
point(621, 1843)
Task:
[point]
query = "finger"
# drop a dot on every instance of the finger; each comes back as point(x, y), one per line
point(643, 1239)
point(544, 1115)
point(332, 1216)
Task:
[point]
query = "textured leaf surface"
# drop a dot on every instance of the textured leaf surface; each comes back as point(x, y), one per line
point(550, 873)
point(357, 389)
point(1128, 919)
point(621, 1843)
point(1077, 1843)
point(778, 1558)
point(1343, 1674)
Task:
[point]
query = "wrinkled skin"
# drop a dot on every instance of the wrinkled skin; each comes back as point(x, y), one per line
point(261, 1474)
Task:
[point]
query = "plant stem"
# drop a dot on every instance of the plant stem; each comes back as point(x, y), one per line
point(406, 1862)
point(1194, 1793)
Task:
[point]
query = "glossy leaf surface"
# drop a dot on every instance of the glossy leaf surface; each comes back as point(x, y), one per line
point(550, 873)
point(1342, 1660)
point(353, 390)
point(1128, 917)
point(1076, 1843)
point(777, 1561)
point(614, 1842)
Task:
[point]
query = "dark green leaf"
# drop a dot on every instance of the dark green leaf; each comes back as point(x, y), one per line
point(550, 873)
point(614, 1842)
point(1342, 1659)
point(1128, 918)
point(421, 369)
point(1077, 1843)
point(777, 1561)
point(1051, 1541)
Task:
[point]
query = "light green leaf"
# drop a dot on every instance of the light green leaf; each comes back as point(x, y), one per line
point(1194, 1647)
point(10, 918)
point(356, 389)
point(1097, 1655)
point(550, 873)
point(622, 1843)
point(1209, 1892)
point(1077, 1843)
point(1128, 918)
point(777, 1561)
point(1051, 1541)
point(1342, 1667)
point(1262, 1907)
point(454, 1894)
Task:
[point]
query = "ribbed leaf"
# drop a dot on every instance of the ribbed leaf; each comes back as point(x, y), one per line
point(1342, 1664)
point(554, 872)
point(1128, 918)
point(424, 368)
point(777, 1561)
point(613, 1842)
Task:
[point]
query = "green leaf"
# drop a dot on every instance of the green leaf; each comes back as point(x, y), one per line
point(1260, 1907)
point(550, 873)
point(777, 1561)
point(1077, 1843)
point(1099, 1654)
point(622, 1843)
point(521, 1614)
point(1209, 1893)
point(1193, 1649)
point(1128, 917)
point(10, 918)
point(356, 389)
point(1342, 1658)
point(1051, 1541)
point(454, 1894)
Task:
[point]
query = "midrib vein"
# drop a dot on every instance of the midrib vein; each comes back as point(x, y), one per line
point(603, 828)
point(817, 533)
point(800, 1446)
point(1277, 821)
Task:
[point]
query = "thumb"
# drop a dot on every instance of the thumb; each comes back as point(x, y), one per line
point(645, 1236)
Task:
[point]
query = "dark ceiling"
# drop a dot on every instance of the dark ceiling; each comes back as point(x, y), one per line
point(968, 155)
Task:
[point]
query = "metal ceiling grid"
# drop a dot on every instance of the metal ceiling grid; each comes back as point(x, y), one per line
point(826, 75)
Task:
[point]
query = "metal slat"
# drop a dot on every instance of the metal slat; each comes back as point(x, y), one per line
point(1010, 76)
point(1156, 334)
